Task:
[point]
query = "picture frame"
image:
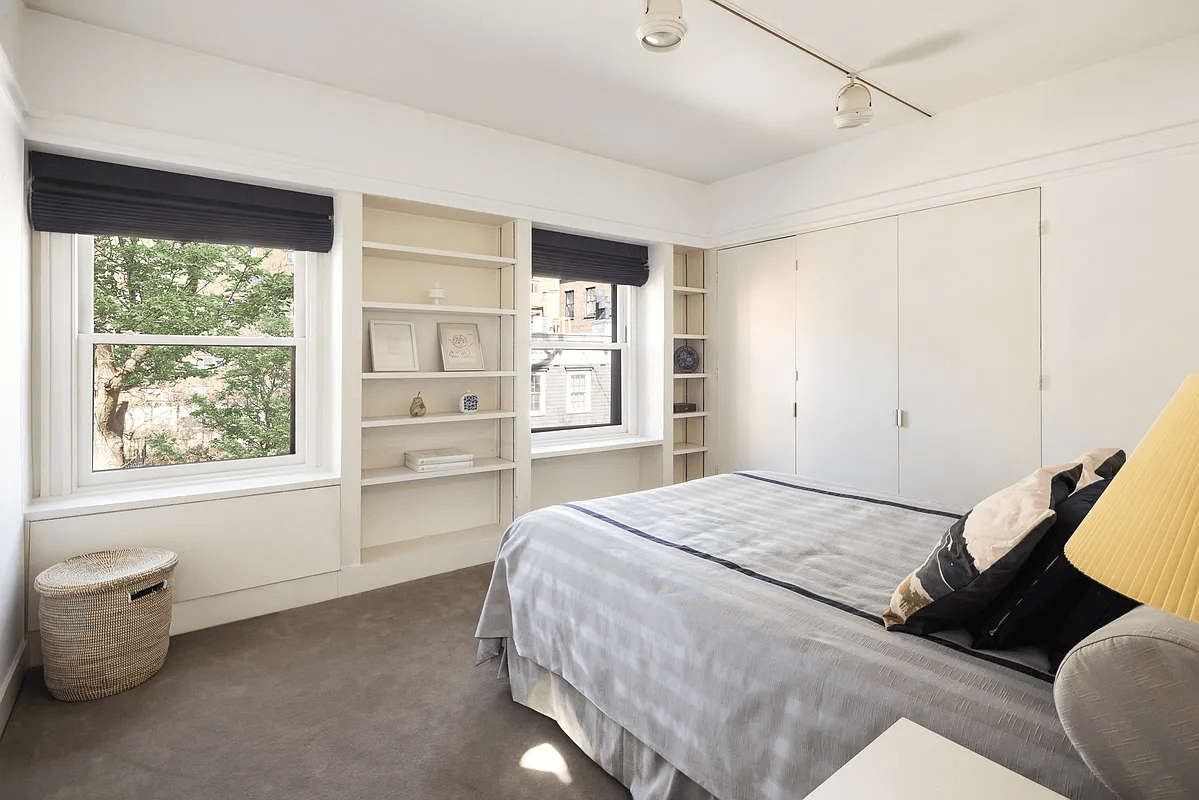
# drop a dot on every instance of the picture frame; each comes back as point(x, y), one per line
point(393, 346)
point(461, 347)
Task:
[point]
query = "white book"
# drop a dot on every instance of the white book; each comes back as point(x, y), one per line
point(448, 467)
point(442, 455)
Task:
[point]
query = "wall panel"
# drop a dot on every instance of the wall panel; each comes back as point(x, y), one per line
point(223, 545)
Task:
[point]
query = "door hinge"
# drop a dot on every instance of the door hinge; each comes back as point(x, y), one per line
point(899, 418)
point(795, 410)
point(1041, 228)
point(797, 265)
point(1040, 382)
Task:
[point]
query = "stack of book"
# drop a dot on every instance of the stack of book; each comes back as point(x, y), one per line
point(440, 460)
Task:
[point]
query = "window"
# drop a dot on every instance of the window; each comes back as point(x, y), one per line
point(536, 288)
point(536, 389)
point(579, 368)
point(579, 389)
point(587, 390)
point(191, 357)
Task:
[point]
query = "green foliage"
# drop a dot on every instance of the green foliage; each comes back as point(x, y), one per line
point(183, 288)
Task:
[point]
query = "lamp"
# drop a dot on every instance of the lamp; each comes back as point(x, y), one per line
point(853, 105)
point(1142, 536)
point(662, 28)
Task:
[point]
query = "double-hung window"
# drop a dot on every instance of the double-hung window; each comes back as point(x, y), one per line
point(582, 367)
point(164, 356)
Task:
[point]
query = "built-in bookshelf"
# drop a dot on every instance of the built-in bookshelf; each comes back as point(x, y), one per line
point(691, 314)
point(410, 522)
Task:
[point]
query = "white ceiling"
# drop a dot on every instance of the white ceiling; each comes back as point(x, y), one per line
point(729, 100)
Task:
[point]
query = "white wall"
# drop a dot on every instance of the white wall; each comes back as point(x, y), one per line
point(1121, 294)
point(1115, 148)
point(1137, 103)
point(96, 89)
point(15, 388)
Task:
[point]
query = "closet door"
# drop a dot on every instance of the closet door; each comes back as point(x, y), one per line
point(846, 344)
point(969, 344)
point(756, 357)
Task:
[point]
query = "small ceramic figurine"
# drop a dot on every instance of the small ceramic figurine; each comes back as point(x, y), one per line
point(417, 409)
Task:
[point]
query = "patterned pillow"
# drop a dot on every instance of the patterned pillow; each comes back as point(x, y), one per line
point(979, 554)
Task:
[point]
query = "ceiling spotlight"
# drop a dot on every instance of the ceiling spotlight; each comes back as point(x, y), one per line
point(853, 105)
point(662, 28)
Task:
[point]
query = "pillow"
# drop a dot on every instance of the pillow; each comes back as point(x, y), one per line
point(979, 554)
point(1097, 607)
point(1099, 464)
point(1045, 589)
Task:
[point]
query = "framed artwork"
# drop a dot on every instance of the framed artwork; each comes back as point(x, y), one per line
point(393, 346)
point(460, 346)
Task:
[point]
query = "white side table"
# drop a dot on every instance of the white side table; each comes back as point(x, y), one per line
point(896, 766)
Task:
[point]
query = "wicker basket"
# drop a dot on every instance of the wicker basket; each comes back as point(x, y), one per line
point(106, 620)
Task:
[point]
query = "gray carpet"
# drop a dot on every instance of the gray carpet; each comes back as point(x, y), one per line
point(371, 696)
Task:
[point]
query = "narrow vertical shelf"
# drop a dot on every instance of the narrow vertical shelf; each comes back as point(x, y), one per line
point(691, 418)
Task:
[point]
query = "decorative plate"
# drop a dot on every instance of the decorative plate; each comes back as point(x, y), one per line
point(685, 358)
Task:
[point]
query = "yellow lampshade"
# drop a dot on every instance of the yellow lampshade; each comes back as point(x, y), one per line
point(1142, 536)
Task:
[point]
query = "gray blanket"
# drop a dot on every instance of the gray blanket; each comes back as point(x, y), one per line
point(732, 624)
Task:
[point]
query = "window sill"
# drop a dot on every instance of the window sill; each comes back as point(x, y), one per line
point(96, 500)
point(578, 448)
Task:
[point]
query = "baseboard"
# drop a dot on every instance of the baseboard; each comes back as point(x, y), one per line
point(12, 685)
point(365, 577)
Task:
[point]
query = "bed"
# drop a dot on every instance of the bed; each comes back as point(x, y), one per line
point(722, 638)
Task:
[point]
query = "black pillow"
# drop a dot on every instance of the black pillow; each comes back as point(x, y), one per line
point(1098, 606)
point(1046, 589)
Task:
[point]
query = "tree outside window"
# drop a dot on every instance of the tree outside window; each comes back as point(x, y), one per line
point(158, 403)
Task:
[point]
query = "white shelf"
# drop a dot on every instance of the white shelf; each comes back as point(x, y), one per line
point(429, 308)
point(689, 290)
point(431, 544)
point(465, 374)
point(432, 256)
point(382, 475)
point(433, 419)
point(697, 336)
point(685, 448)
point(686, 375)
point(691, 415)
point(595, 446)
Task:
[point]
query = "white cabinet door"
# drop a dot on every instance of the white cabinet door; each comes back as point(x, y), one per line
point(847, 370)
point(755, 347)
point(969, 343)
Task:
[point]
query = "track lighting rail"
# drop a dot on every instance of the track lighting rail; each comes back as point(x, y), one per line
point(757, 23)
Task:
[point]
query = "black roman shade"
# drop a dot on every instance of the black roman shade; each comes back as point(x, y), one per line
point(580, 258)
point(77, 195)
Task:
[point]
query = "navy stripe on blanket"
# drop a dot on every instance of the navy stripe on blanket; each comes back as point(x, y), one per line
point(808, 593)
point(876, 501)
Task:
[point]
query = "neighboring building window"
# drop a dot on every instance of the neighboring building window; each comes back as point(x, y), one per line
point(194, 351)
point(536, 391)
point(536, 288)
point(579, 388)
point(590, 302)
point(579, 364)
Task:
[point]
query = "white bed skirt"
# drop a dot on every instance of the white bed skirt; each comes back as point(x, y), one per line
point(647, 775)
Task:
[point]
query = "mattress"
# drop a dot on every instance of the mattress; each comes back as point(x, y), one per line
point(732, 625)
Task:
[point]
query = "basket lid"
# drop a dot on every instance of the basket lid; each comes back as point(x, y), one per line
point(95, 572)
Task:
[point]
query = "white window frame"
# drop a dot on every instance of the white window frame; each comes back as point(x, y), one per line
point(539, 379)
point(63, 376)
point(626, 342)
point(585, 374)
